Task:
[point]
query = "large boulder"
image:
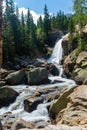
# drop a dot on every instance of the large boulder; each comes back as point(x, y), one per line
point(74, 111)
point(75, 66)
point(37, 76)
point(60, 104)
point(15, 78)
point(7, 96)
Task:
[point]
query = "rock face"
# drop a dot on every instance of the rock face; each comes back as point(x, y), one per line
point(15, 77)
point(37, 76)
point(75, 66)
point(7, 96)
point(74, 112)
point(58, 127)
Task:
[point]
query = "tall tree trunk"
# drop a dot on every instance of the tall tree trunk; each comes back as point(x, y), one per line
point(1, 39)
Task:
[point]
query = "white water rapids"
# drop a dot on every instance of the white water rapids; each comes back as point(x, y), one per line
point(41, 113)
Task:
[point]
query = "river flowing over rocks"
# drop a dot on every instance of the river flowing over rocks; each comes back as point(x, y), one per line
point(39, 94)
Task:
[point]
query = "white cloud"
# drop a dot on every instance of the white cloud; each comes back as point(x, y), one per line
point(33, 13)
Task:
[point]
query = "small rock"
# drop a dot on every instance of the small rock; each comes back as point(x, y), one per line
point(31, 104)
point(20, 123)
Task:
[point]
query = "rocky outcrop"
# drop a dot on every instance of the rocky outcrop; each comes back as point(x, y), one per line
point(7, 96)
point(75, 66)
point(74, 110)
point(80, 70)
point(37, 76)
point(15, 78)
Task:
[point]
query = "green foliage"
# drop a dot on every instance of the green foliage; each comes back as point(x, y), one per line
point(78, 19)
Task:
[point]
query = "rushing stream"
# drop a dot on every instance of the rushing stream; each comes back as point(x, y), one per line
point(41, 113)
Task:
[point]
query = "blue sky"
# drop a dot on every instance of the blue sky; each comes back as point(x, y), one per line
point(53, 5)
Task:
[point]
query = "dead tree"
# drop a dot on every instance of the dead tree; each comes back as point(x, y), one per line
point(1, 38)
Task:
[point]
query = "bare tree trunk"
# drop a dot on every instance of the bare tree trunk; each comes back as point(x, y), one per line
point(1, 39)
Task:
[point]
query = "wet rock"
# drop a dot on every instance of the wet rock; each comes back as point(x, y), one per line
point(7, 96)
point(37, 76)
point(20, 123)
point(30, 104)
point(52, 69)
point(15, 78)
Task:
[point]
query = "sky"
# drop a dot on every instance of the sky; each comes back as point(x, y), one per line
point(36, 7)
point(53, 5)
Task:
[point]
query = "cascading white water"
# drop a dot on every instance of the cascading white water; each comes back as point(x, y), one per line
point(41, 112)
point(57, 53)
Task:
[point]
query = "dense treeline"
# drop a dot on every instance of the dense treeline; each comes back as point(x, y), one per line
point(22, 37)
point(77, 23)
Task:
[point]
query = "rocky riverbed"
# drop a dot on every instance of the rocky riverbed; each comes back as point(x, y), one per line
point(37, 95)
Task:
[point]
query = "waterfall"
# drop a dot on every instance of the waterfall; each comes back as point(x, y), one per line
point(57, 53)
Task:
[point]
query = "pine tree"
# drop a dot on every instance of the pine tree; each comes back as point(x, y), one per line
point(8, 46)
point(47, 25)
